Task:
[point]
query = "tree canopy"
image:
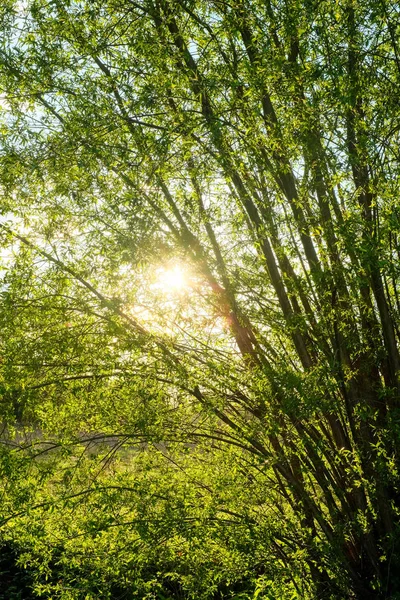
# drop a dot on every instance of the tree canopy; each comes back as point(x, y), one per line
point(199, 297)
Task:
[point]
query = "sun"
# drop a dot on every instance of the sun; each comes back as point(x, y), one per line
point(173, 279)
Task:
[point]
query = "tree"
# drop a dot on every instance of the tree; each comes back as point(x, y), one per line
point(253, 148)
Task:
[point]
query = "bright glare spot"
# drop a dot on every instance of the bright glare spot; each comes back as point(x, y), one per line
point(172, 279)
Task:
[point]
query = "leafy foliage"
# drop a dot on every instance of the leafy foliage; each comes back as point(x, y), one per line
point(235, 435)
